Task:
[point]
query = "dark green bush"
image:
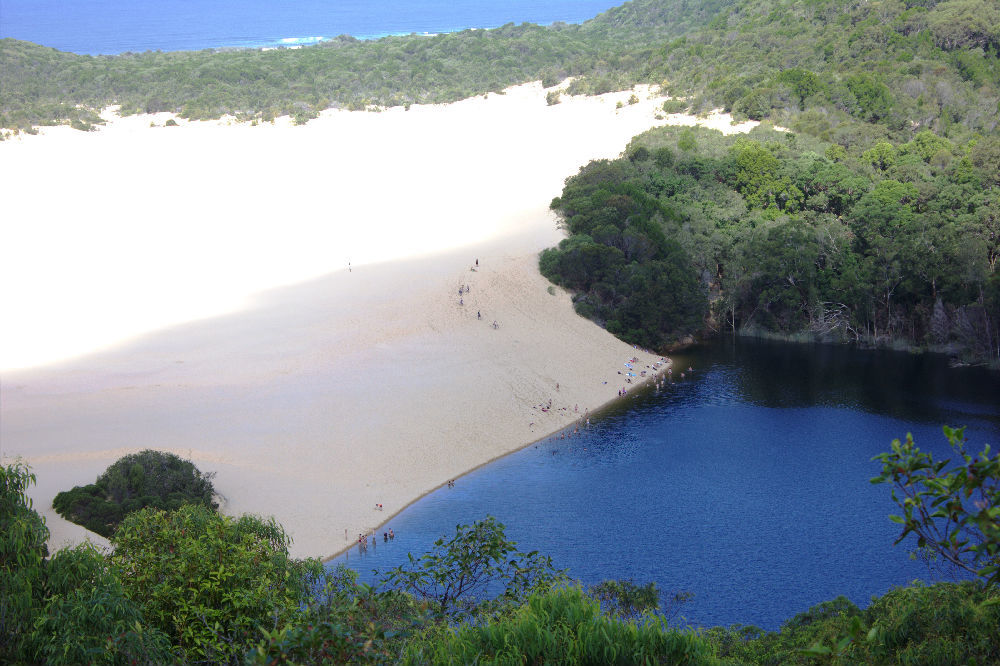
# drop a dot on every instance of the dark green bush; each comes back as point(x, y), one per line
point(146, 479)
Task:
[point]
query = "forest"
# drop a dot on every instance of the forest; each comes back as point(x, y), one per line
point(785, 234)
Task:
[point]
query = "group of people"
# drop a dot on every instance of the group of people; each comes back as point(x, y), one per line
point(464, 289)
point(363, 539)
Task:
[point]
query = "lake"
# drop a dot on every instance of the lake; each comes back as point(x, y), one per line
point(110, 26)
point(746, 483)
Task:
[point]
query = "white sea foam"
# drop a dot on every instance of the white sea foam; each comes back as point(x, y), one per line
point(301, 40)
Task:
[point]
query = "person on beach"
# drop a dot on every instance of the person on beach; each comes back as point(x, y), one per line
point(477, 263)
point(479, 315)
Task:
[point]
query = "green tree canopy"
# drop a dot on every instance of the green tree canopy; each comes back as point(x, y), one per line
point(149, 478)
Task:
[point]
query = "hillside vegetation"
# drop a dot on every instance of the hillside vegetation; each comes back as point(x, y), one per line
point(788, 235)
point(818, 64)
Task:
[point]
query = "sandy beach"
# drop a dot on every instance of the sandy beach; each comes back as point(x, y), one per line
point(281, 305)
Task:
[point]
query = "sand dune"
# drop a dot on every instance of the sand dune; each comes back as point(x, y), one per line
point(187, 289)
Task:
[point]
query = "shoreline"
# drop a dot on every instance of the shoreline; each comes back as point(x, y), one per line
point(596, 413)
point(330, 364)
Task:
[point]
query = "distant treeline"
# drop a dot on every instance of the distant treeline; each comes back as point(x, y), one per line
point(820, 66)
point(46, 86)
point(783, 233)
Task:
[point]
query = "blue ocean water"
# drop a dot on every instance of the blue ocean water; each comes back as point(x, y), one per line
point(747, 485)
point(116, 26)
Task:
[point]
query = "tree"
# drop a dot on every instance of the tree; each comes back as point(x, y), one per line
point(344, 622)
point(954, 512)
point(459, 576)
point(148, 478)
point(802, 82)
point(22, 550)
point(87, 619)
point(212, 583)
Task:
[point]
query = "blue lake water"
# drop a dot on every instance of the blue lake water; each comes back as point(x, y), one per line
point(747, 484)
point(113, 26)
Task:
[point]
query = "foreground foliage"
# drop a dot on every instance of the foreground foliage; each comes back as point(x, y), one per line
point(87, 617)
point(478, 571)
point(193, 587)
point(562, 626)
point(138, 480)
point(954, 512)
point(344, 622)
point(67, 609)
point(210, 582)
point(22, 551)
point(944, 624)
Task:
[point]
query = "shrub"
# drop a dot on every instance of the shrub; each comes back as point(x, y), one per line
point(87, 619)
point(22, 550)
point(149, 478)
point(211, 583)
point(460, 576)
point(562, 626)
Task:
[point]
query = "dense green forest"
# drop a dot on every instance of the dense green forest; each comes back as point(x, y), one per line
point(783, 233)
point(191, 586)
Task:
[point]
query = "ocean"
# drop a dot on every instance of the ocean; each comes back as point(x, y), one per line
point(112, 26)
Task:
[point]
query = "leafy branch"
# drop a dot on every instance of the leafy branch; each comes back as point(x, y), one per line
point(953, 511)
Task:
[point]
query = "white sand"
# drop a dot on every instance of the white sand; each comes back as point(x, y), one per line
point(314, 401)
